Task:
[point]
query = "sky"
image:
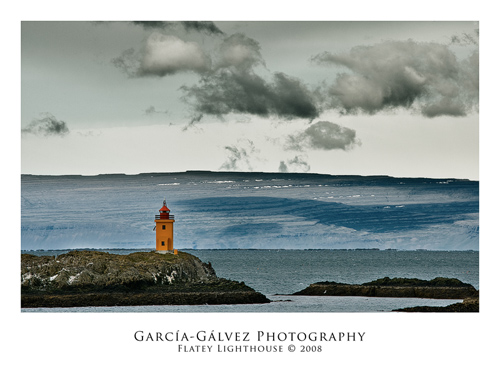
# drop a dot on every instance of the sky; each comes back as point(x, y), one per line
point(333, 97)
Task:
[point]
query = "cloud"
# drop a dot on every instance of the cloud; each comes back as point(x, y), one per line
point(151, 110)
point(297, 164)
point(207, 27)
point(235, 87)
point(163, 55)
point(283, 168)
point(128, 62)
point(194, 120)
point(47, 125)
point(230, 86)
point(168, 54)
point(466, 39)
point(153, 24)
point(89, 133)
point(239, 157)
point(445, 106)
point(426, 77)
point(323, 135)
point(247, 93)
point(201, 26)
point(240, 52)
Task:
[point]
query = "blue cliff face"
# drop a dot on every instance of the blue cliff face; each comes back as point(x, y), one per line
point(231, 210)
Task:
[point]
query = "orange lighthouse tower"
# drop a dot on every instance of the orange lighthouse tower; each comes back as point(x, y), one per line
point(164, 229)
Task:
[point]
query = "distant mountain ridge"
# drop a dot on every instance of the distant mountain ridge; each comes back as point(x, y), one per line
point(297, 175)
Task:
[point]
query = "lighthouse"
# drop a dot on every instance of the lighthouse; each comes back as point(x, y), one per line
point(164, 229)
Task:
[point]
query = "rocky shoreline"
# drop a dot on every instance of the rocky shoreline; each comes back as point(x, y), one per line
point(468, 305)
point(141, 299)
point(94, 278)
point(439, 288)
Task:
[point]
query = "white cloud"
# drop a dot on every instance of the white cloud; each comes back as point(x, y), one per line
point(163, 55)
point(168, 54)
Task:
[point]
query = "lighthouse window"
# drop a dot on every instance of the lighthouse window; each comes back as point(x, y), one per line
point(162, 243)
point(163, 227)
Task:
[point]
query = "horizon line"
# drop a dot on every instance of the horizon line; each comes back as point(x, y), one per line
point(245, 172)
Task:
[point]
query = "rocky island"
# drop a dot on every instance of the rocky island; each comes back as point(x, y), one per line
point(96, 278)
point(468, 305)
point(440, 288)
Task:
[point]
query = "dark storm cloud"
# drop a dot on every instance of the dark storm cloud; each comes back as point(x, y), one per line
point(402, 74)
point(207, 27)
point(247, 93)
point(153, 24)
point(235, 87)
point(323, 135)
point(47, 125)
point(201, 26)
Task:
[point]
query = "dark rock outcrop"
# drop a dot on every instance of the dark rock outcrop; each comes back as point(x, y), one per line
point(93, 278)
point(440, 288)
point(468, 305)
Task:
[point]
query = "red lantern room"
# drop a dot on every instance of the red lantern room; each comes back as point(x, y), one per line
point(164, 211)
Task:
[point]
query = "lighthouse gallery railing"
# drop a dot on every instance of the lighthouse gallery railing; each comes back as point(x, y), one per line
point(158, 217)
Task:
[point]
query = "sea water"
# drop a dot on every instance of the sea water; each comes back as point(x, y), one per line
point(279, 273)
